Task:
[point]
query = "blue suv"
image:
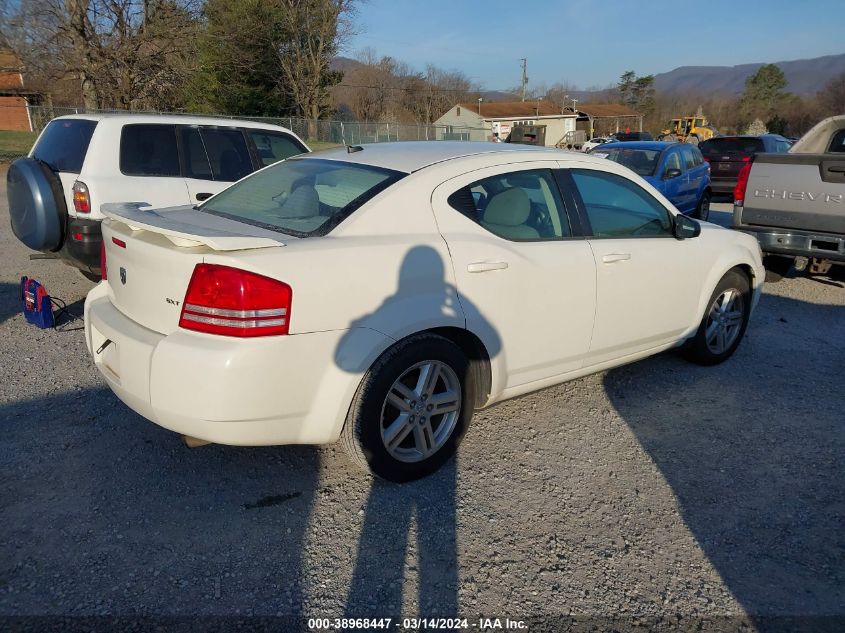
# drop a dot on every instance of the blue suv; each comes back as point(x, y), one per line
point(677, 170)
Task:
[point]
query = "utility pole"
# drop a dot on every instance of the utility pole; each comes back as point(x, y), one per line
point(524, 76)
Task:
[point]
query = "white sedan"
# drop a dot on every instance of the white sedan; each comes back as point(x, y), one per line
point(594, 142)
point(380, 294)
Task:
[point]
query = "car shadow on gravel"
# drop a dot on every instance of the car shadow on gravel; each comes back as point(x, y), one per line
point(10, 300)
point(752, 450)
point(104, 512)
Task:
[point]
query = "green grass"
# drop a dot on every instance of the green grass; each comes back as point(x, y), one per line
point(315, 146)
point(14, 144)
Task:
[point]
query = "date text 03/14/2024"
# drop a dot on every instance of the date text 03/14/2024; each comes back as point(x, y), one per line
point(413, 624)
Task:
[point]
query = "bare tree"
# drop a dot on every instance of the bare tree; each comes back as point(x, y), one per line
point(310, 34)
point(124, 53)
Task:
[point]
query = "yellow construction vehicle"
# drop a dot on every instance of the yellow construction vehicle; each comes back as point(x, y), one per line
point(689, 129)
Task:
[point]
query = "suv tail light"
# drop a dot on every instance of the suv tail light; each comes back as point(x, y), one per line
point(81, 199)
point(103, 273)
point(234, 302)
point(741, 184)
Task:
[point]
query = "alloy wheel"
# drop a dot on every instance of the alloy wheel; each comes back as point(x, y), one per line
point(724, 321)
point(420, 411)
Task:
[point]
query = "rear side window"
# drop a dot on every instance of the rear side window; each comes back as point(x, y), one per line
point(64, 143)
point(305, 197)
point(516, 206)
point(617, 207)
point(274, 146)
point(227, 153)
point(149, 150)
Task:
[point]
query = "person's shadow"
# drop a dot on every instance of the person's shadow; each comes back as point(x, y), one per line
point(386, 551)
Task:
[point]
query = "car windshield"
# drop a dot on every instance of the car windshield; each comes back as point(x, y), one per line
point(301, 197)
point(641, 161)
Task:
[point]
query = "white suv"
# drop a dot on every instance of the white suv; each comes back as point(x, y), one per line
point(83, 161)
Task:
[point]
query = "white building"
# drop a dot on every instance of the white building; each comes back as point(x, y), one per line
point(483, 121)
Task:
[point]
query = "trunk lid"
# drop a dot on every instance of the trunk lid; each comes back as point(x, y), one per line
point(151, 255)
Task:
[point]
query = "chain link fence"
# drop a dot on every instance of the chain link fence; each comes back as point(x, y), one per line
point(317, 133)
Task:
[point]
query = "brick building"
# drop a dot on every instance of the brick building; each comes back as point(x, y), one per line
point(14, 98)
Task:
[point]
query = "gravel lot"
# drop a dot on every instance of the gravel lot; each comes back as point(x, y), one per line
point(659, 492)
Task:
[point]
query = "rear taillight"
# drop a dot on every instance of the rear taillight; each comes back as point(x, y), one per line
point(741, 184)
point(234, 302)
point(81, 199)
point(103, 273)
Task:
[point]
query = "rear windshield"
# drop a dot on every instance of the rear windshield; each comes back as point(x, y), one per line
point(304, 197)
point(641, 161)
point(731, 146)
point(64, 143)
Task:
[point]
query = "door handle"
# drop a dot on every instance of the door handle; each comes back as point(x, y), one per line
point(836, 170)
point(483, 267)
point(203, 196)
point(615, 257)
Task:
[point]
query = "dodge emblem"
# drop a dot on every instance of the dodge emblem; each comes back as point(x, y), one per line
point(123, 275)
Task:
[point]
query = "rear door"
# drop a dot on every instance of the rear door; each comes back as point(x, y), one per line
point(525, 276)
point(214, 157)
point(63, 146)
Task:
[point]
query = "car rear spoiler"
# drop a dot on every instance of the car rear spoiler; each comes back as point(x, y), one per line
point(187, 227)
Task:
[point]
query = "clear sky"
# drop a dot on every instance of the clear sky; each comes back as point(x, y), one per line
point(591, 42)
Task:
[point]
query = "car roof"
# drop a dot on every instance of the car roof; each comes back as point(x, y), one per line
point(650, 145)
point(411, 156)
point(129, 117)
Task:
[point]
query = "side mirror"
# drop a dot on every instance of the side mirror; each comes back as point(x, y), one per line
point(686, 227)
point(671, 173)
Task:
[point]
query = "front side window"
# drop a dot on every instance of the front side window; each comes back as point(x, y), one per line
point(689, 156)
point(524, 205)
point(617, 207)
point(274, 146)
point(673, 161)
point(305, 197)
point(642, 162)
point(837, 143)
point(149, 150)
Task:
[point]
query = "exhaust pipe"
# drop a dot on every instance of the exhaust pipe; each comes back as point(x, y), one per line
point(194, 442)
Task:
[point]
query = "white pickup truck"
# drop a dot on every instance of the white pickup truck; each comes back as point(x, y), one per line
point(794, 203)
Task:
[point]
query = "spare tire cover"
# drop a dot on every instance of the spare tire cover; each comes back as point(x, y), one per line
point(36, 204)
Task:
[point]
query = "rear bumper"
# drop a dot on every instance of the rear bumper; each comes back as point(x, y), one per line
point(797, 243)
point(722, 186)
point(247, 392)
point(82, 244)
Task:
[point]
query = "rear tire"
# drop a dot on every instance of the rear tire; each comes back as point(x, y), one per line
point(91, 276)
point(393, 428)
point(725, 320)
point(702, 210)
